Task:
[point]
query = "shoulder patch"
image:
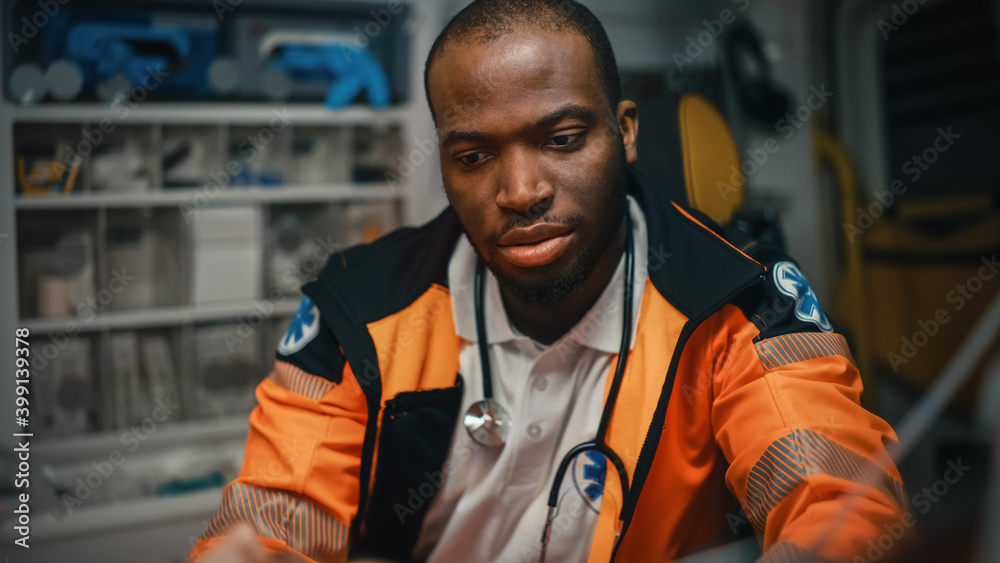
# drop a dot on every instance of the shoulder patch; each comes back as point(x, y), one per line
point(790, 281)
point(303, 328)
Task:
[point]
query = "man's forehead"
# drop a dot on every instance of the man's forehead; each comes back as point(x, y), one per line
point(519, 54)
point(544, 68)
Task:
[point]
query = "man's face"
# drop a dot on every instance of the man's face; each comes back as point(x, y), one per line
point(532, 157)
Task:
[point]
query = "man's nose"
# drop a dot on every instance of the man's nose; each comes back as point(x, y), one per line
point(523, 187)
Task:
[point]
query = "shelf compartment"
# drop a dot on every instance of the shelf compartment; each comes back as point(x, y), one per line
point(121, 160)
point(142, 373)
point(189, 153)
point(57, 261)
point(67, 387)
point(229, 363)
point(46, 159)
point(320, 155)
point(378, 153)
point(146, 259)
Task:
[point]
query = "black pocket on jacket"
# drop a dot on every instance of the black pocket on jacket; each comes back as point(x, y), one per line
point(417, 427)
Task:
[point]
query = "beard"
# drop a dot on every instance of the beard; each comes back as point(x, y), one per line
point(559, 287)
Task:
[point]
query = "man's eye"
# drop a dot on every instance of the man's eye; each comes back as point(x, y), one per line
point(563, 141)
point(472, 159)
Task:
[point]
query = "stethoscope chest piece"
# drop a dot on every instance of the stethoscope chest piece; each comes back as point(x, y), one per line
point(488, 423)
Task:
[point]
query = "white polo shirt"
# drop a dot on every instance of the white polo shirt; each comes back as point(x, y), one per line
point(492, 502)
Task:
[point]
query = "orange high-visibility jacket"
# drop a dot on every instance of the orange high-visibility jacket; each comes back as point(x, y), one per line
point(739, 407)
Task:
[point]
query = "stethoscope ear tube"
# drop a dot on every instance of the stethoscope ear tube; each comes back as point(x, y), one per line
point(599, 444)
point(577, 450)
point(484, 354)
point(488, 423)
point(557, 483)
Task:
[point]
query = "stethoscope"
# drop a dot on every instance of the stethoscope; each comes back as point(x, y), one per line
point(488, 422)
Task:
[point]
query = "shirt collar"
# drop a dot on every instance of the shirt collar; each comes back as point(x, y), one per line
point(600, 327)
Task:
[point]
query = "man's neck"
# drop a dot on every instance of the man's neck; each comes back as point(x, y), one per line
point(548, 324)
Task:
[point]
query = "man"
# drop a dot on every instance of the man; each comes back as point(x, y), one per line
point(731, 393)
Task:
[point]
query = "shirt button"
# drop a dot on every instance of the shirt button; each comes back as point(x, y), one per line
point(534, 431)
point(541, 383)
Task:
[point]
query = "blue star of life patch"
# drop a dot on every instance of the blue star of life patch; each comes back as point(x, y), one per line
point(792, 283)
point(304, 327)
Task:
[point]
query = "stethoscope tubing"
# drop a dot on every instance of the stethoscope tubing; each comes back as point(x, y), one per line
point(599, 443)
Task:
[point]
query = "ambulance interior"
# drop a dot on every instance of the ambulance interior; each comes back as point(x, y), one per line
point(155, 226)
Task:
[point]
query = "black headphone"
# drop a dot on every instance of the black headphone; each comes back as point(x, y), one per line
point(751, 73)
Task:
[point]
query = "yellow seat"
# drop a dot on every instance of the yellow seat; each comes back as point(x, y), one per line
point(702, 151)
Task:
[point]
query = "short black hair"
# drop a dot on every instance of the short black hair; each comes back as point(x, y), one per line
point(485, 21)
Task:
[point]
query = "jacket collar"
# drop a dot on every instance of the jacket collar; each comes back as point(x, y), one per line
point(690, 264)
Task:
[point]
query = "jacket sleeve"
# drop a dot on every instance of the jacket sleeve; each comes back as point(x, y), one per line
point(298, 486)
point(809, 465)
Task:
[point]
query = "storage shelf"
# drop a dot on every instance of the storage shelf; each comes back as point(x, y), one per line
point(207, 112)
point(212, 196)
point(139, 511)
point(160, 317)
point(121, 226)
point(171, 434)
point(136, 513)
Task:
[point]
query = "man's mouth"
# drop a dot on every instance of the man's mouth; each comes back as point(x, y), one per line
point(534, 246)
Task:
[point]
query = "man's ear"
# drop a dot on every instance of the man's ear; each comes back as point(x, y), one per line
point(628, 122)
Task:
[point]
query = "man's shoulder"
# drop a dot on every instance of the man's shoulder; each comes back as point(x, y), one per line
point(693, 263)
point(783, 302)
point(776, 297)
